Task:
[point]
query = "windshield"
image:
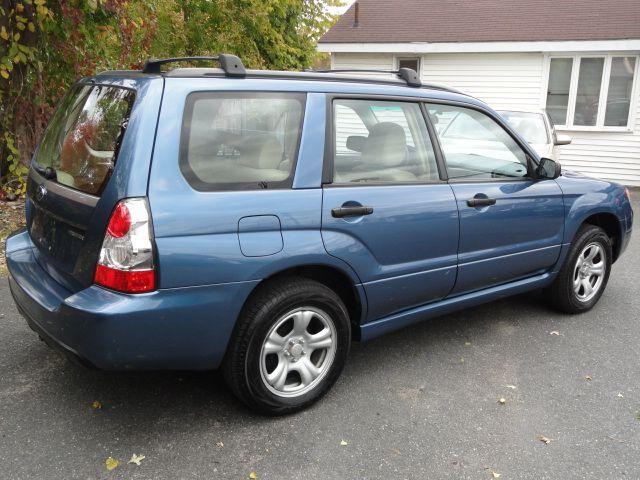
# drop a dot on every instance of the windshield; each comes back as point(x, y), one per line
point(82, 138)
point(529, 125)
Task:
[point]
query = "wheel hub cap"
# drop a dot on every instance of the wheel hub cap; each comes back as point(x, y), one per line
point(294, 349)
point(585, 270)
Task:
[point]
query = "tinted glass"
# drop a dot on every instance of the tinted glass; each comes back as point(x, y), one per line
point(348, 124)
point(394, 148)
point(529, 126)
point(82, 139)
point(475, 146)
point(588, 95)
point(619, 95)
point(558, 89)
point(240, 141)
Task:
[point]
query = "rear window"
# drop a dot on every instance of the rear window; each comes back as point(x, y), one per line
point(82, 139)
point(233, 141)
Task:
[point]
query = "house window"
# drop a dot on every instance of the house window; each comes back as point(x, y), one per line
point(558, 89)
point(412, 63)
point(619, 92)
point(591, 91)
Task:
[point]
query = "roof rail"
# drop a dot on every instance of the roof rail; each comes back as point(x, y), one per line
point(230, 64)
point(409, 75)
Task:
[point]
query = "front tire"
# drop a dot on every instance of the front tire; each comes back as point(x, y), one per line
point(585, 273)
point(289, 346)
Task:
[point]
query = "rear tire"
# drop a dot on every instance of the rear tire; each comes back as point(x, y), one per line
point(289, 346)
point(585, 272)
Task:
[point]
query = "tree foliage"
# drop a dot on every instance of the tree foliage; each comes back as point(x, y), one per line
point(45, 45)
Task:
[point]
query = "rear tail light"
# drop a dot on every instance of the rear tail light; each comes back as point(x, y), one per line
point(126, 258)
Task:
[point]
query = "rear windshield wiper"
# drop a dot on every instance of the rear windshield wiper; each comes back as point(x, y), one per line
point(49, 172)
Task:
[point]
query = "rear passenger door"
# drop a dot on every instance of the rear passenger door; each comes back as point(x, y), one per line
point(511, 224)
point(385, 210)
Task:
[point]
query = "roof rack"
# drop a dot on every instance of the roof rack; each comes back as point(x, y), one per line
point(409, 75)
point(230, 64)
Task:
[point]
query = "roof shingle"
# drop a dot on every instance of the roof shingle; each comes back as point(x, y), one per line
point(386, 21)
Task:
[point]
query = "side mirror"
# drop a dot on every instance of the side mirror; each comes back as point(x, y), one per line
point(562, 139)
point(356, 143)
point(548, 169)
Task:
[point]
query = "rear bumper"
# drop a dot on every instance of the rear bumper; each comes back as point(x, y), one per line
point(182, 328)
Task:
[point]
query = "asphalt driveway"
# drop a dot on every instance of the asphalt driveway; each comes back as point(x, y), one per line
point(420, 403)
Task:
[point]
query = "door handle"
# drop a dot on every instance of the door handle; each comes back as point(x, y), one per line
point(481, 201)
point(340, 212)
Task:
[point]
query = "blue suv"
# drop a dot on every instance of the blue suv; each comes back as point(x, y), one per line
point(259, 221)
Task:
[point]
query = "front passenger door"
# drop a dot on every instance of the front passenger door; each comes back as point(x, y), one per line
point(511, 225)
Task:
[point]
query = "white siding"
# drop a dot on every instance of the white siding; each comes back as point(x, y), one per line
point(503, 80)
point(362, 61)
point(515, 80)
point(613, 156)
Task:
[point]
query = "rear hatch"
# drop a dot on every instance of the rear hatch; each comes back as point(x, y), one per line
point(70, 170)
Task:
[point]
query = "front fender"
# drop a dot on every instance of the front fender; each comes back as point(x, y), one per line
point(585, 197)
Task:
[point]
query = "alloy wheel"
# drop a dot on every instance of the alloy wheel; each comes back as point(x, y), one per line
point(298, 351)
point(589, 272)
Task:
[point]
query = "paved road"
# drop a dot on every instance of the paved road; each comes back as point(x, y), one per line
point(420, 403)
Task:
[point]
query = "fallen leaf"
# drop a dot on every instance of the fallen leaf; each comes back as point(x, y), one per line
point(253, 475)
point(502, 400)
point(555, 332)
point(136, 459)
point(588, 378)
point(467, 343)
point(512, 387)
point(220, 444)
point(544, 439)
point(343, 443)
point(96, 405)
point(111, 463)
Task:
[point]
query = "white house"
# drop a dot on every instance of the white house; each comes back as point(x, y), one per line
point(578, 59)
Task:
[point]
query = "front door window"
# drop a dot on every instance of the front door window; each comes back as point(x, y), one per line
point(475, 146)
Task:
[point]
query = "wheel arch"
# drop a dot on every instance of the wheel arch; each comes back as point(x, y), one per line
point(332, 277)
point(612, 226)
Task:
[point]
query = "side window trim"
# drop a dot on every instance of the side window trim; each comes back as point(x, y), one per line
point(532, 161)
point(435, 141)
point(328, 169)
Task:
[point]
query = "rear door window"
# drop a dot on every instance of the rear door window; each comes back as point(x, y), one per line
point(389, 143)
point(81, 141)
point(236, 141)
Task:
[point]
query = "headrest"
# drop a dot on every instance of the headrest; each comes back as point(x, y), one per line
point(386, 145)
point(264, 152)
